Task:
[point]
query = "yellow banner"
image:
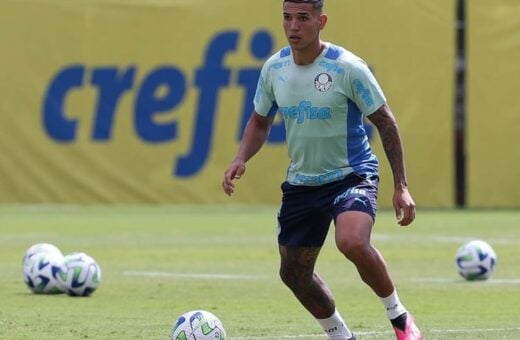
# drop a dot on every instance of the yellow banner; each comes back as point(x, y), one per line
point(492, 104)
point(145, 101)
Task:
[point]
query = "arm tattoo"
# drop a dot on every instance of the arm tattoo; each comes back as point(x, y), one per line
point(386, 124)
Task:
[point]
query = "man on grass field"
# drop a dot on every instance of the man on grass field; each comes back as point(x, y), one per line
point(323, 92)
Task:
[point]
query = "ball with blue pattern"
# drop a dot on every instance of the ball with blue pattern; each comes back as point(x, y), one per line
point(41, 265)
point(476, 260)
point(198, 325)
point(79, 275)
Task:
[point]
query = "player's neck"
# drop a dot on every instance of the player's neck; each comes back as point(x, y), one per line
point(308, 55)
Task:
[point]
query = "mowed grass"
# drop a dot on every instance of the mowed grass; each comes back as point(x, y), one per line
point(160, 261)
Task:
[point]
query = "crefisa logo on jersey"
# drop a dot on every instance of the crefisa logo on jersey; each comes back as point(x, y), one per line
point(323, 82)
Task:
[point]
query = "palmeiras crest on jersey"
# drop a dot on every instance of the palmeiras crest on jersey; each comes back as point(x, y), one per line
point(323, 82)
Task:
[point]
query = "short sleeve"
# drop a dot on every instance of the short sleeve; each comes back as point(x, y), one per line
point(366, 92)
point(264, 100)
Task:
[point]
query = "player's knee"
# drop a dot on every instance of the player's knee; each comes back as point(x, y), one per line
point(353, 249)
point(292, 277)
point(287, 276)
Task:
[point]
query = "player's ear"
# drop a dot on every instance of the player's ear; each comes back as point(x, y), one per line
point(323, 21)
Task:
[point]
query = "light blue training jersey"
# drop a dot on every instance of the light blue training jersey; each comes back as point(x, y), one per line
point(322, 105)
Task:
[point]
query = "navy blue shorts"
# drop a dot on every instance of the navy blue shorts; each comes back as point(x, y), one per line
point(307, 211)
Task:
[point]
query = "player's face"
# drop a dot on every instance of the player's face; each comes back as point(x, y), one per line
point(302, 24)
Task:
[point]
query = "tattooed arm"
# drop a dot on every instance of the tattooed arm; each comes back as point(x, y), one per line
point(386, 124)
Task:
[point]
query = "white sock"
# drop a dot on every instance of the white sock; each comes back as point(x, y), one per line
point(393, 306)
point(335, 327)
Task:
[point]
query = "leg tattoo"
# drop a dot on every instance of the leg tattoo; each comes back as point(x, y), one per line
point(297, 272)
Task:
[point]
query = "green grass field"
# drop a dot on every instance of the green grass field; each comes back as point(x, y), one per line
point(160, 261)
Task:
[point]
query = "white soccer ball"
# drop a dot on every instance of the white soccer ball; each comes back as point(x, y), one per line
point(198, 325)
point(79, 275)
point(40, 271)
point(475, 260)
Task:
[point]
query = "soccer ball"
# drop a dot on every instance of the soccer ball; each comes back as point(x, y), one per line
point(79, 275)
point(40, 271)
point(198, 325)
point(475, 260)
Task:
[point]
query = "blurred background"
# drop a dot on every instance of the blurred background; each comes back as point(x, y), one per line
point(144, 101)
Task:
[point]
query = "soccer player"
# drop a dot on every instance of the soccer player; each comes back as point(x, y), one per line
point(323, 92)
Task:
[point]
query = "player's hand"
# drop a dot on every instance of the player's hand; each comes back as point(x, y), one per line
point(404, 206)
point(235, 171)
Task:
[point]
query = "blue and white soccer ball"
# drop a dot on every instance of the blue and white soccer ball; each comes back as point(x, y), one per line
point(79, 275)
point(41, 265)
point(476, 260)
point(198, 325)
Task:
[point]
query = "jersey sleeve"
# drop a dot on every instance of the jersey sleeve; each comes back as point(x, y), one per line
point(366, 92)
point(264, 101)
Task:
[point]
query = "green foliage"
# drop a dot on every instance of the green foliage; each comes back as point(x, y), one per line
point(159, 262)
